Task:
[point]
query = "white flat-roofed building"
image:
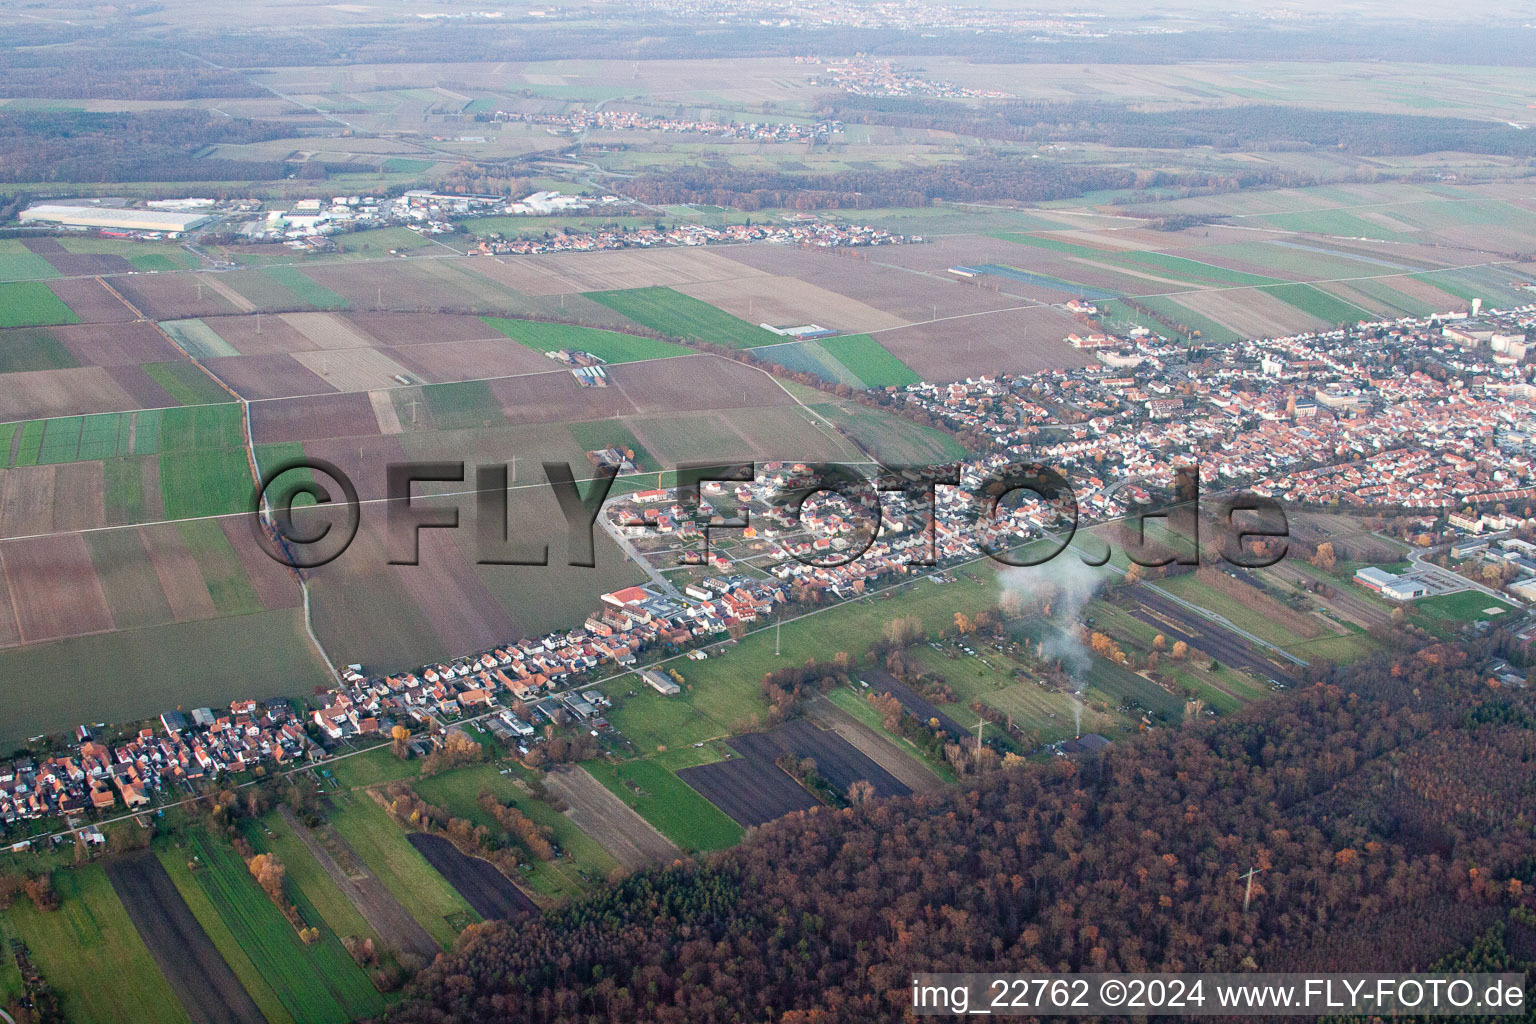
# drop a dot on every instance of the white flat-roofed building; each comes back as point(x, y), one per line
point(113, 219)
point(1398, 588)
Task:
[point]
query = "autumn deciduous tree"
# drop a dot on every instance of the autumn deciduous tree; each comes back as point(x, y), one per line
point(268, 872)
point(40, 890)
point(1180, 650)
point(1324, 558)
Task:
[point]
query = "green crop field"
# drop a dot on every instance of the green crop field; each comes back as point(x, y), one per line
point(382, 240)
point(272, 834)
point(29, 445)
point(24, 266)
point(198, 428)
point(227, 582)
point(175, 860)
point(383, 847)
point(810, 357)
point(306, 288)
point(682, 316)
point(1382, 291)
point(185, 383)
point(61, 440)
point(1333, 222)
point(91, 954)
point(669, 803)
point(1181, 268)
point(317, 983)
point(211, 661)
point(405, 165)
point(104, 436)
point(155, 262)
point(33, 349)
point(870, 361)
point(464, 405)
point(147, 424)
point(32, 304)
point(85, 438)
point(205, 483)
point(1320, 304)
point(1190, 270)
point(609, 346)
point(198, 339)
point(1209, 329)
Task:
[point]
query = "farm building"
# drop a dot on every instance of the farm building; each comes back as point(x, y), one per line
point(1397, 588)
point(121, 220)
point(660, 683)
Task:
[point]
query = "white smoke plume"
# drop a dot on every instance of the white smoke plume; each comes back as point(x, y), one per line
point(1059, 589)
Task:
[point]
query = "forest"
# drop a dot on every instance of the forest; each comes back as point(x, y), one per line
point(1376, 849)
point(157, 145)
point(978, 179)
point(1258, 127)
point(125, 73)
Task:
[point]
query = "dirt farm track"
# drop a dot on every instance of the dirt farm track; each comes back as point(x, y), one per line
point(198, 975)
point(632, 840)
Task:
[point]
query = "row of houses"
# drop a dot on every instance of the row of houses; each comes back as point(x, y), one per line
point(100, 776)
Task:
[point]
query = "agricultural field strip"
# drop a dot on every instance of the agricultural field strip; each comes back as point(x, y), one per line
point(370, 501)
point(1321, 280)
point(868, 595)
point(396, 386)
point(1163, 294)
point(119, 412)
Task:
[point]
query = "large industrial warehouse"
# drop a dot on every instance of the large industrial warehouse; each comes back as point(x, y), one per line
point(113, 219)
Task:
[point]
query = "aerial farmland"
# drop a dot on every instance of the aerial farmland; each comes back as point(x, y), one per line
point(548, 734)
